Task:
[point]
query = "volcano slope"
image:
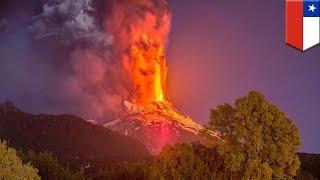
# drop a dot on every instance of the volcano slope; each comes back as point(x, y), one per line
point(156, 125)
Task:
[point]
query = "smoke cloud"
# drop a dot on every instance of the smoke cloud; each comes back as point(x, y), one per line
point(79, 53)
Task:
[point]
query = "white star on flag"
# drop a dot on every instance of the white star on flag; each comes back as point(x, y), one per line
point(312, 8)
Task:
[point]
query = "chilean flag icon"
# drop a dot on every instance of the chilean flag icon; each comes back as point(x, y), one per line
point(303, 23)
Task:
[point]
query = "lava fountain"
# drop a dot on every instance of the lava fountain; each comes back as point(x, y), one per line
point(149, 71)
point(143, 27)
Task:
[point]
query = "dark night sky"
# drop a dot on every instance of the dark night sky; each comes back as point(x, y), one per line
point(217, 52)
point(220, 50)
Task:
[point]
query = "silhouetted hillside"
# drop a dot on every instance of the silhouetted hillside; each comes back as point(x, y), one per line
point(71, 138)
point(310, 163)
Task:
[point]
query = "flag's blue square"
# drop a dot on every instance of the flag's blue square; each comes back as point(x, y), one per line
point(311, 8)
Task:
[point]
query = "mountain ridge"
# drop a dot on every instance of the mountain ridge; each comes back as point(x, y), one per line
point(70, 138)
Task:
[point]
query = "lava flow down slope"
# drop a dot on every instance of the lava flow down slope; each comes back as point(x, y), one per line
point(156, 125)
point(149, 115)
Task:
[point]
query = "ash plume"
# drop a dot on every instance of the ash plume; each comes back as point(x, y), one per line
point(84, 52)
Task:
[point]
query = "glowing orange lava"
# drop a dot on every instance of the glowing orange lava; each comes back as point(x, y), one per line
point(149, 70)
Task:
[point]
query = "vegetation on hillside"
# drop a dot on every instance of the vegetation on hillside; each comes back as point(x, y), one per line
point(48, 166)
point(11, 166)
point(310, 166)
point(256, 141)
point(70, 138)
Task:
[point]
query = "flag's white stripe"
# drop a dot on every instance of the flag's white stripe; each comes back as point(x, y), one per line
point(311, 32)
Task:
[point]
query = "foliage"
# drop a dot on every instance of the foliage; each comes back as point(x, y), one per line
point(190, 161)
point(305, 175)
point(135, 171)
point(48, 166)
point(259, 141)
point(256, 141)
point(181, 161)
point(11, 167)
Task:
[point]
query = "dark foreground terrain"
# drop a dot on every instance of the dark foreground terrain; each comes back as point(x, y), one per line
point(310, 163)
point(79, 143)
point(70, 138)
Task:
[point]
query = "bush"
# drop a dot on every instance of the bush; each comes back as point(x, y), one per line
point(48, 166)
point(11, 166)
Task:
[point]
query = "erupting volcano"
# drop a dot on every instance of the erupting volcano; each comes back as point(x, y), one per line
point(149, 115)
point(119, 68)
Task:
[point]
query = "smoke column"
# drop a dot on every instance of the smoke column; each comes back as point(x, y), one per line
point(89, 51)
